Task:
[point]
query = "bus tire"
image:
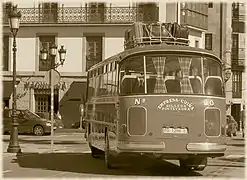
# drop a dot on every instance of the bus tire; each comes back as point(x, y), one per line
point(108, 157)
point(95, 152)
point(197, 164)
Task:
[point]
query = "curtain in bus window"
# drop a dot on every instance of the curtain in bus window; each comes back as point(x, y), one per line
point(185, 63)
point(159, 64)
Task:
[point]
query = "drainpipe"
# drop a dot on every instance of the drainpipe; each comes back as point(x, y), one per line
point(221, 28)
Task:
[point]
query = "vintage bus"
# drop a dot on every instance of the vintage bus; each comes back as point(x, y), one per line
point(160, 100)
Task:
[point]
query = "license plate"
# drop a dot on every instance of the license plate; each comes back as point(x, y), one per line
point(175, 131)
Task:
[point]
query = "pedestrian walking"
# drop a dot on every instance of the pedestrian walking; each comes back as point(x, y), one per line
point(242, 118)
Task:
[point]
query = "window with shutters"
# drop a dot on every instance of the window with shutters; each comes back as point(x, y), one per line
point(5, 60)
point(45, 42)
point(94, 50)
point(208, 41)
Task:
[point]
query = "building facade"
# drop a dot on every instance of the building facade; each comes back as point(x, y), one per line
point(238, 59)
point(226, 37)
point(90, 32)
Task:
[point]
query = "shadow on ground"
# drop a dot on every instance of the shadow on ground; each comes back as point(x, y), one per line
point(84, 163)
point(47, 141)
point(241, 159)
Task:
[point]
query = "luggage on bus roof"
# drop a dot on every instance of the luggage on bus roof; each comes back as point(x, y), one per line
point(156, 33)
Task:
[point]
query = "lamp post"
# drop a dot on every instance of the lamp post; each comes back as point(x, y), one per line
point(14, 21)
point(53, 66)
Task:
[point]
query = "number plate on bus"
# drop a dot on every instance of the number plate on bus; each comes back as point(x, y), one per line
point(175, 131)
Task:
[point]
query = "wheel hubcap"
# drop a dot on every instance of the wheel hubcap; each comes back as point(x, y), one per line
point(38, 130)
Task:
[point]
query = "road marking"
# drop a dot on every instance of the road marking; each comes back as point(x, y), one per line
point(6, 171)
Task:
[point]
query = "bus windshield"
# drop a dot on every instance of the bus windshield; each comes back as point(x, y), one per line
point(171, 74)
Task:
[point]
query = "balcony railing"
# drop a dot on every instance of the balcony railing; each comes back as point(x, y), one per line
point(73, 15)
point(238, 17)
point(238, 62)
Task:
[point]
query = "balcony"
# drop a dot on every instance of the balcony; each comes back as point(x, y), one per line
point(81, 15)
point(238, 64)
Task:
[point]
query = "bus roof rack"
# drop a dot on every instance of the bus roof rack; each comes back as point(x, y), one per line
point(141, 34)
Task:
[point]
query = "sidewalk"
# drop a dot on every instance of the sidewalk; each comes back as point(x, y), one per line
point(71, 141)
point(69, 130)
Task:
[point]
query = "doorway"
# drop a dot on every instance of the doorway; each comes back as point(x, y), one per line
point(235, 112)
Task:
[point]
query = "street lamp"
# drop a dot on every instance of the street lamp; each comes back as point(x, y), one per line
point(227, 74)
point(14, 21)
point(44, 56)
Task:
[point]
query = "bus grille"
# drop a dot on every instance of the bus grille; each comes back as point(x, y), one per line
point(212, 122)
point(137, 121)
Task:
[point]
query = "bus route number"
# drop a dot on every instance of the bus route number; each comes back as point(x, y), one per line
point(139, 101)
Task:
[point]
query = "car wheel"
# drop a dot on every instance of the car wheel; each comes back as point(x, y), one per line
point(38, 130)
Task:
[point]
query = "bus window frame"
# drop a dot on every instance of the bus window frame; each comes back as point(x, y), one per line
point(185, 54)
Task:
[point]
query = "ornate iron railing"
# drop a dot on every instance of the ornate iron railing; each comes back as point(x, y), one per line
point(238, 62)
point(238, 17)
point(80, 15)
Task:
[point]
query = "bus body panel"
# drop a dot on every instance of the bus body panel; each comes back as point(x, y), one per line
point(170, 112)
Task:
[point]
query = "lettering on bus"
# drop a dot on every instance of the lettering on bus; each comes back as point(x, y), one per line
point(208, 102)
point(138, 101)
point(175, 104)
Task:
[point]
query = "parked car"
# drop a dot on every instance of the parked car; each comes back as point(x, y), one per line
point(46, 115)
point(232, 126)
point(29, 122)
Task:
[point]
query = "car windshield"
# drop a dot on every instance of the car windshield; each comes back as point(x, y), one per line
point(171, 74)
point(31, 115)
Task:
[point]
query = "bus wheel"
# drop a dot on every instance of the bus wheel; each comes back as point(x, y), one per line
point(108, 158)
point(95, 152)
point(196, 163)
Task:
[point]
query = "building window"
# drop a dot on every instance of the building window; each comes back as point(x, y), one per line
point(237, 84)
point(96, 11)
point(148, 12)
point(94, 50)
point(208, 41)
point(196, 43)
point(5, 53)
point(49, 12)
point(210, 5)
point(42, 103)
point(194, 14)
point(43, 100)
point(235, 48)
point(45, 42)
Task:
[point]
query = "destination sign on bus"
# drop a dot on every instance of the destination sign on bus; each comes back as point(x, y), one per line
point(176, 104)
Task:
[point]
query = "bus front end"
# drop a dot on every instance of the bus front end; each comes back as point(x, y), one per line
point(172, 105)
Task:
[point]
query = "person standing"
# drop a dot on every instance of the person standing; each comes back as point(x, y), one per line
point(242, 118)
point(81, 109)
